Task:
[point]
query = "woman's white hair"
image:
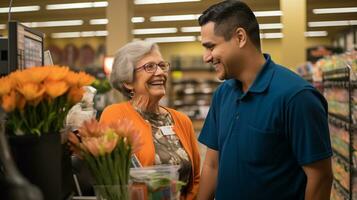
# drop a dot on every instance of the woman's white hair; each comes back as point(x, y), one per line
point(124, 63)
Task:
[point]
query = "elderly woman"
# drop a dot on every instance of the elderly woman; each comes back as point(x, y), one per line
point(140, 73)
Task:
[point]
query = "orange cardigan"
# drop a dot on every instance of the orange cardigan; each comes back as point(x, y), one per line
point(146, 154)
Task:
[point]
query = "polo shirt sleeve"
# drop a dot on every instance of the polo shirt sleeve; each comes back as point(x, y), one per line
point(209, 132)
point(307, 127)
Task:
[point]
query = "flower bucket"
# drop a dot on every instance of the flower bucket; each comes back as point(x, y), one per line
point(45, 162)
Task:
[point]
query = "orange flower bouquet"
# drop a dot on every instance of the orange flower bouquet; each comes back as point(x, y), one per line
point(107, 150)
point(38, 99)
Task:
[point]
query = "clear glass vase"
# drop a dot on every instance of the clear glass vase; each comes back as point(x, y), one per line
point(112, 192)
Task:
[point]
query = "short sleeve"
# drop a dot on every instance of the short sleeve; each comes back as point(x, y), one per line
point(208, 135)
point(307, 127)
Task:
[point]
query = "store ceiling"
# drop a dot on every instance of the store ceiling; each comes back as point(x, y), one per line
point(169, 9)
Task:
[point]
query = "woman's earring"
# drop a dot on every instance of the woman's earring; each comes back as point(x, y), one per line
point(131, 93)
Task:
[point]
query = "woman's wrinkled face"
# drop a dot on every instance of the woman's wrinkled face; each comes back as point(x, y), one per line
point(147, 80)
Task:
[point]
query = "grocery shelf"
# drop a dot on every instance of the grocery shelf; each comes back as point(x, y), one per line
point(341, 189)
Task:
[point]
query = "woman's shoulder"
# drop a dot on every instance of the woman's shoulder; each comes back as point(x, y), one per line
point(114, 111)
point(117, 106)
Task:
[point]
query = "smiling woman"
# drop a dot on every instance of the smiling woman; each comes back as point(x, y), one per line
point(140, 73)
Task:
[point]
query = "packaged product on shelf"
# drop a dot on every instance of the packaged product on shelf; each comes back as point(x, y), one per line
point(337, 108)
point(336, 94)
point(341, 172)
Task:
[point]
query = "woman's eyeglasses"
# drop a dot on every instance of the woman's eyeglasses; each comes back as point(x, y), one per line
point(151, 67)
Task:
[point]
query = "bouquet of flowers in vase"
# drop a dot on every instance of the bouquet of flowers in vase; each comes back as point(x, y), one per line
point(107, 150)
point(38, 99)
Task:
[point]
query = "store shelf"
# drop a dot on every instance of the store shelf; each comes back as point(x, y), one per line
point(339, 121)
point(345, 161)
point(342, 191)
point(337, 84)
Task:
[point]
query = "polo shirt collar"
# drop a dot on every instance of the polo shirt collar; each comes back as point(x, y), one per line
point(262, 82)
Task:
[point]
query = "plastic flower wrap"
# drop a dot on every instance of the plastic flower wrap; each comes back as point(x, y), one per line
point(38, 99)
point(107, 150)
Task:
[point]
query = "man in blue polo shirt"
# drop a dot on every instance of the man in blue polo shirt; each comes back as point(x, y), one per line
point(266, 131)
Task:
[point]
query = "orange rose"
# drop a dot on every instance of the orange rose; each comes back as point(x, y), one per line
point(72, 79)
point(31, 91)
point(20, 77)
point(85, 79)
point(9, 101)
point(55, 88)
point(6, 84)
point(57, 73)
point(21, 102)
point(75, 94)
point(37, 74)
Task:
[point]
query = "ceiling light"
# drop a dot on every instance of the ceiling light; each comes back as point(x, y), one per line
point(140, 2)
point(54, 23)
point(172, 39)
point(77, 5)
point(334, 10)
point(66, 35)
point(191, 29)
point(271, 26)
point(332, 23)
point(98, 21)
point(271, 35)
point(101, 33)
point(2, 26)
point(316, 34)
point(20, 9)
point(154, 31)
point(271, 13)
point(137, 19)
point(79, 34)
point(174, 18)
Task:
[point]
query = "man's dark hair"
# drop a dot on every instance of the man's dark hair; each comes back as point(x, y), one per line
point(228, 16)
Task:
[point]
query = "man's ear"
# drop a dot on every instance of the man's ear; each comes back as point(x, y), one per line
point(129, 86)
point(240, 36)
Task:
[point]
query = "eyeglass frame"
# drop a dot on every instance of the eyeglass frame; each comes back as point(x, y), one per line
point(157, 65)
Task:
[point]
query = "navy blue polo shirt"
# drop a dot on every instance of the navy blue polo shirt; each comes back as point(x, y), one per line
point(266, 135)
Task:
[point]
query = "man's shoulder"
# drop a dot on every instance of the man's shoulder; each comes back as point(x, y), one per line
point(287, 83)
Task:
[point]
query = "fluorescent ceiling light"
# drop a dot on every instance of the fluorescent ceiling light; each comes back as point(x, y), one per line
point(172, 39)
point(101, 33)
point(79, 34)
point(191, 29)
point(141, 2)
point(332, 23)
point(316, 34)
point(2, 26)
point(271, 26)
point(271, 35)
point(54, 23)
point(77, 5)
point(174, 18)
point(154, 31)
point(271, 13)
point(334, 10)
point(20, 9)
point(98, 21)
point(66, 35)
point(137, 19)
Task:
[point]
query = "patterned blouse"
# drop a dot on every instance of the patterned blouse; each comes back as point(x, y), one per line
point(168, 148)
